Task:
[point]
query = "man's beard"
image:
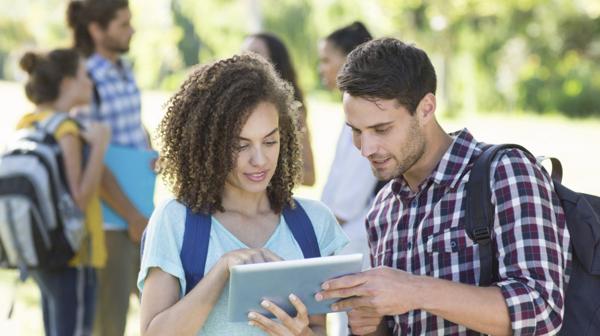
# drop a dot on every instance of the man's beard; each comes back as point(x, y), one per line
point(414, 154)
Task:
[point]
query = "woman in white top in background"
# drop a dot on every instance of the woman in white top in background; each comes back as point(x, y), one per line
point(350, 186)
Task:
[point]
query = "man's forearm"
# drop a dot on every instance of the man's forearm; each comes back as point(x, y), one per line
point(113, 195)
point(479, 308)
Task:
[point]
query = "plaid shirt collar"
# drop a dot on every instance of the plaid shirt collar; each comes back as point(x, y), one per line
point(448, 171)
point(101, 65)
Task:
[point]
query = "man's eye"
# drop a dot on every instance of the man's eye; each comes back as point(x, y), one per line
point(382, 131)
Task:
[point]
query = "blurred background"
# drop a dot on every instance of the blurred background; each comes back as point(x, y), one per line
point(524, 71)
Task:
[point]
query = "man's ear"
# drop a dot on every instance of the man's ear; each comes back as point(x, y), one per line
point(426, 108)
point(95, 31)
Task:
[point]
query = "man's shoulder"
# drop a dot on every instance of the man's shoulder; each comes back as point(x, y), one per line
point(513, 162)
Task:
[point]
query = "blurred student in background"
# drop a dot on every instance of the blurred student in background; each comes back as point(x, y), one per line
point(350, 186)
point(58, 83)
point(102, 32)
point(272, 48)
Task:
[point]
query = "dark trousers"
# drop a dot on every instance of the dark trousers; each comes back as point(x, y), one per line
point(116, 283)
point(68, 300)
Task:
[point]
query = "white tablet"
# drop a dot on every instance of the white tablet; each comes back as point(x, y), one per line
point(275, 281)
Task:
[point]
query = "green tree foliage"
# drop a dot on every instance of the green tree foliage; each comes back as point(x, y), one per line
point(533, 55)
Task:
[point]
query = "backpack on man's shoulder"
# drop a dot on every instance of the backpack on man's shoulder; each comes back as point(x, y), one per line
point(582, 213)
point(40, 224)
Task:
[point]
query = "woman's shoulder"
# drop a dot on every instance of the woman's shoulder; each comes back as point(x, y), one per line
point(170, 207)
point(169, 212)
point(312, 206)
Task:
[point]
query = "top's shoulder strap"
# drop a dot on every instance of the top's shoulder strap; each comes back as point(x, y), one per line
point(479, 211)
point(303, 230)
point(194, 250)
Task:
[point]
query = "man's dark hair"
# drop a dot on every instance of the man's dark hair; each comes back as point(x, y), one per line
point(349, 37)
point(81, 13)
point(387, 68)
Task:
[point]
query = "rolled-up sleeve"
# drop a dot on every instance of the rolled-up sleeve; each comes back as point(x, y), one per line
point(532, 243)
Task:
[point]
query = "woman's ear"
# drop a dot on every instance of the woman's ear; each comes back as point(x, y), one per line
point(426, 108)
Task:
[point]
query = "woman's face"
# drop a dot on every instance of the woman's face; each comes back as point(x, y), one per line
point(256, 45)
point(257, 151)
point(79, 88)
point(331, 59)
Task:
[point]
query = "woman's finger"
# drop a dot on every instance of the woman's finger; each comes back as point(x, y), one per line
point(279, 313)
point(300, 308)
point(270, 255)
point(266, 324)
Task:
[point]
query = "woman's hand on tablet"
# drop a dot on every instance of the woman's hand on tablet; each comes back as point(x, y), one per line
point(248, 256)
point(287, 325)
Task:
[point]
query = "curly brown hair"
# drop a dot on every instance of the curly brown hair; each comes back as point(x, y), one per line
point(203, 120)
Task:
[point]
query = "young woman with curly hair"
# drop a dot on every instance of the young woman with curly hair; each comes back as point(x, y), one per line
point(230, 149)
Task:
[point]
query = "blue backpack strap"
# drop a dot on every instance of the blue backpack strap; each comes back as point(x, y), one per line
point(197, 235)
point(195, 247)
point(303, 230)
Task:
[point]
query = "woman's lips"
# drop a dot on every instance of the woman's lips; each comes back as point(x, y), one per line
point(256, 177)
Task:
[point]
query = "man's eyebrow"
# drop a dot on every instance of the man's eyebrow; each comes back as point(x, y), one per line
point(379, 125)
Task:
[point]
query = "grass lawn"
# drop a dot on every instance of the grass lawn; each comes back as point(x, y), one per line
point(573, 141)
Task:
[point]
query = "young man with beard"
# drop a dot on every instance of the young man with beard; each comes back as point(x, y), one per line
point(426, 268)
point(102, 32)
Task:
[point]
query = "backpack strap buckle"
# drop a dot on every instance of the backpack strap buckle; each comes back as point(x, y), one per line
point(482, 235)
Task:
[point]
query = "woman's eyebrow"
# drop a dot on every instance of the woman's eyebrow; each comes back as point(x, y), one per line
point(266, 136)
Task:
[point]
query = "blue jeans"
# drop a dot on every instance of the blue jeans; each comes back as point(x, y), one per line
point(68, 300)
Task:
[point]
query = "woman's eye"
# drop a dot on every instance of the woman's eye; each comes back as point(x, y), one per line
point(271, 143)
point(242, 147)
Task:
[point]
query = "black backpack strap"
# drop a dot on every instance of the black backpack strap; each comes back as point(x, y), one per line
point(479, 218)
point(303, 230)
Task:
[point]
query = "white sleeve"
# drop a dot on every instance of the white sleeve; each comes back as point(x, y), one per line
point(351, 183)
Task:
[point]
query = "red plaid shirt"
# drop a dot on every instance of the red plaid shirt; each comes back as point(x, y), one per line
point(423, 233)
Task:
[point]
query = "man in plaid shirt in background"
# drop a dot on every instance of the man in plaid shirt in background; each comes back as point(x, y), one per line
point(426, 268)
point(102, 32)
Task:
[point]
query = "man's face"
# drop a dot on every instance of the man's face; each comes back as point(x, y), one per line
point(385, 133)
point(117, 35)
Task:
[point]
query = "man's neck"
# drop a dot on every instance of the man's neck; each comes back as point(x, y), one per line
point(436, 146)
point(109, 55)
